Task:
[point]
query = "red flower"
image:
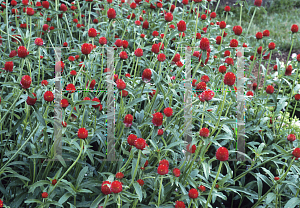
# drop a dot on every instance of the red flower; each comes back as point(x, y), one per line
point(297, 97)
point(272, 46)
point(31, 101)
point(204, 132)
point(25, 82)
point(54, 181)
point(229, 78)
point(162, 170)
point(222, 25)
point(86, 48)
point(141, 182)
point(193, 193)
point(157, 119)
point(207, 95)
point(237, 30)
point(63, 8)
point(73, 73)
point(45, 4)
point(133, 5)
point(201, 86)
point(30, 11)
point(121, 85)
point(205, 78)
point(102, 40)
point(22, 52)
point(179, 204)
point(119, 43)
point(97, 106)
point(70, 88)
point(164, 162)
point(82, 133)
point(146, 76)
point(276, 178)
point(266, 33)
point(145, 24)
point(140, 143)
point(92, 32)
point(105, 187)
point(131, 139)
point(296, 152)
point(259, 35)
point(128, 120)
point(161, 57)
point(270, 89)
point(257, 3)
point(222, 154)
point(213, 15)
point(204, 44)
point(44, 83)
point(123, 55)
point(298, 57)
point(169, 17)
point(249, 93)
point(9, 65)
point(64, 103)
point(119, 175)
point(227, 9)
point(229, 61)
point(111, 13)
point(160, 132)
point(181, 26)
point(203, 17)
point(294, 28)
point(176, 172)
point(138, 52)
point(202, 188)
point(191, 149)
point(44, 195)
point(288, 70)
point(168, 111)
point(234, 43)
point(38, 41)
point(291, 137)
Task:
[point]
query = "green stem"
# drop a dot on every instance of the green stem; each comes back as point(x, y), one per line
point(159, 191)
point(251, 21)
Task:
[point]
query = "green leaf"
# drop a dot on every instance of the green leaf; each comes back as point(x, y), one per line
point(37, 184)
point(293, 202)
point(270, 198)
point(64, 198)
point(97, 201)
point(86, 102)
point(81, 175)
point(138, 190)
point(39, 116)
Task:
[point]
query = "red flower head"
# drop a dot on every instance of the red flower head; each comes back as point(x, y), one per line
point(102, 40)
point(222, 25)
point(272, 46)
point(226, 53)
point(44, 195)
point(105, 187)
point(92, 32)
point(146, 76)
point(140, 143)
point(234, 43)
point(229, 78)
point(54, 181)
point(201, 86)
point(44, 83)
point(13, 53)
point(111, 13)
point(164, 162)
point(119, 43)
point(298, 57)
point(266, 33)
point(193, 193)
point(119, 175)
point(138, 52)
point(63, 8)
point(131, 139)
point(25, 82)
point(31, 101)
point(176, 172)
point(161, 57)
point(38, 41)
point(249, 93)
point(30, 11)
point(291, 137)
point(257, 3)
point(123, 55)
point(294, 28)
point(133, 5)
point(227, 9)
point(296, 152)
point(160, 132)
point(229, 61)
point(259, 35)
point(218, 40)
point(64, 103)
point(169, 17)
point(181, 25)
point(9, 65)
point(207, 95)
point(191, 149)
point(162, 170)
point(288, 70)
point(121, 85)
point(86, 48)
point(48, 96)
point(179, 204)
point(204, 132)
point(270, 89)
point(141, 182)
point(82, 133)
point(22, 52)
point(203, 17)
point(297, 97)
point(168, 112)
point(45, 4)
point(222, 154)
point(145, 24)
point(128, 120)
point(157, 119)
point(202, 188)
point(176, 58)
point(237, 30)
point(70, 88)
point(204, 44)
point(155, 48)
point(98, 105)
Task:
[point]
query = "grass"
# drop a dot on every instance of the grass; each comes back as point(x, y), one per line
point(279, 25)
